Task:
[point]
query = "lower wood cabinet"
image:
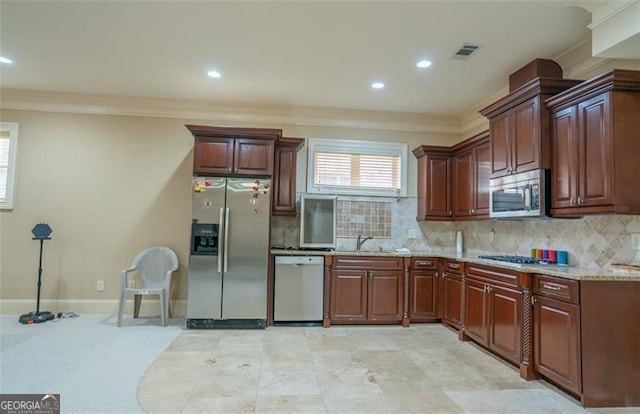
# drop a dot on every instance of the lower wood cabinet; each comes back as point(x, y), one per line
point(450, 304)
point(366, 289)
point(423, 290)
point(493, 317)
point(587, 338)
point(556, 332)
point(494, 310)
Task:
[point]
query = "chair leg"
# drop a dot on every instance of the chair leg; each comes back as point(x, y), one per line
point(123, 296)
point(163, 307)
point(137, 299)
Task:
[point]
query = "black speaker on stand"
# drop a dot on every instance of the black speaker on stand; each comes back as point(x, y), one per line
point(40, 232)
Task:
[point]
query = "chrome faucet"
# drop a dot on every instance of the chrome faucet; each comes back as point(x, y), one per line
point(361, 241)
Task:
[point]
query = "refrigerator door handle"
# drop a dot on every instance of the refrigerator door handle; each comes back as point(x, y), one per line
point(221, 246)
point(226, 240)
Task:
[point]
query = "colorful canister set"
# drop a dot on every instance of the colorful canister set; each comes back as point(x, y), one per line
point(559, 257)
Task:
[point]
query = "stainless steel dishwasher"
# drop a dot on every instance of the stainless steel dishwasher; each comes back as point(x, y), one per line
point(298, 289)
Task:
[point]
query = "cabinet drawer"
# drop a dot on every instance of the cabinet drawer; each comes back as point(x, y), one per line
point(556, 287)
point(421, 263)
point(453, 266)
point(509, 277)
point(368, 263)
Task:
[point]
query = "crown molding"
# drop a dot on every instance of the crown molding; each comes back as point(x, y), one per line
point(225, 113)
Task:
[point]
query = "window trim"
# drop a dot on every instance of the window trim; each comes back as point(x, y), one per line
point(12, 128)
point(359, 147)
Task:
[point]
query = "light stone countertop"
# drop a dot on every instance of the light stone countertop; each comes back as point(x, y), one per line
point(567, 272)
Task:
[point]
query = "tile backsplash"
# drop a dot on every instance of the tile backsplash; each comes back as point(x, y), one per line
point(592, 241)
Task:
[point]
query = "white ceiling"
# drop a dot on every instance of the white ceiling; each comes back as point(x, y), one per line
point(301, 53)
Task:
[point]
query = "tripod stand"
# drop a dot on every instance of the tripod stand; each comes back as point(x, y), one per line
point(41, 232)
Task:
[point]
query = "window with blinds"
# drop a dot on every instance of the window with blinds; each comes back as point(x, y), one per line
point(8, 146)
point(357, 167)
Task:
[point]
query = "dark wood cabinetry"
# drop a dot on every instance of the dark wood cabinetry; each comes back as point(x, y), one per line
point(519, 127)
point(471, 173)
point(584, 340)
point(434, 183)
point(450, 303)
point(283, 200)
point(595, 146)
point(453, 182)
point(233, 151)
point(367, 289)
point(556, 331)
point(423, 290)
point(494, 313)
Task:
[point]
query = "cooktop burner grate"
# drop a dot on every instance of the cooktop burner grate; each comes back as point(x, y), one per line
point(515, 259)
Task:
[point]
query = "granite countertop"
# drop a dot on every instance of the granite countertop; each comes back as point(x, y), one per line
point(567, 272)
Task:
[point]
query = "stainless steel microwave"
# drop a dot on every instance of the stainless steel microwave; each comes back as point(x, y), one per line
point(521, 195)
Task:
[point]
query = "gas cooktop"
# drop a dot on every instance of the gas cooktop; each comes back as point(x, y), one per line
point(516, 259)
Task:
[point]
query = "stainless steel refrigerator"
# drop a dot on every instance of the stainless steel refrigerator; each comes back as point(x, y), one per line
point(228, 263)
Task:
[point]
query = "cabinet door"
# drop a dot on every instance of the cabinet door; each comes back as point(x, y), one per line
point(596, 156)
point(213, 155)
point(463, 184)
point(452, 299)
point(438, 186)
point(565, 158)
point(482, 165)
point(477, 311)
point(505, 322)
point(385, 295)
point(525, 142)
point(254, 156)
point(284, 182)
point(423, 289)
point(556, 333)
point(500, 127)
point(348, 295)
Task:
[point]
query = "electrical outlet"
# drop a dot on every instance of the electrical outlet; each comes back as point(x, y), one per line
point(131, 284)
point(635, 241)
point(413, 234)
point(100, 286)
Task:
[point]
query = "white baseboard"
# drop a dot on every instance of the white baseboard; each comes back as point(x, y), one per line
point(149, 306)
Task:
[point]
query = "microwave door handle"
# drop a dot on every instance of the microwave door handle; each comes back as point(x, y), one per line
point(527, 197)
point(221, 246)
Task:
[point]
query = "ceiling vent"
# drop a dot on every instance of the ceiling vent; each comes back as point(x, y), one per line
point(465, 51)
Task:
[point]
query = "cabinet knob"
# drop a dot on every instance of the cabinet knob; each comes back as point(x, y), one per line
point(533, 300)
point(436, 274)
point(450, 212)
point(580, 201)
point(572, 201)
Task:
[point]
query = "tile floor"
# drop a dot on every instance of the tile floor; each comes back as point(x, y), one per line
point(386, 369)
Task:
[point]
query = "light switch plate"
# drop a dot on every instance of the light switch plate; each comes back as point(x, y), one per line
point(413, 234)
point(635, 241)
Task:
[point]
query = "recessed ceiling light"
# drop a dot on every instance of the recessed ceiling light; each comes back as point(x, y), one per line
point(423, 63)
point(5, 60)
point(377, 85)
point(214, 74)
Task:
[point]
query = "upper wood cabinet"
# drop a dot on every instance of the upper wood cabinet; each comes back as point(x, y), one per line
point(519, 127)
point(471, 172)
point(453, 182)
point(233, 151)
point(434, 183)
point(283, 200)
point(595, 146)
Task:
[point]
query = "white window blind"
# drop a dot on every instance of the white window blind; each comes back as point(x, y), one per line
point(357, 167)
point(8, 147)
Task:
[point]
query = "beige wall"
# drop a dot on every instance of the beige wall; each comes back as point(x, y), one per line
point(109, 186)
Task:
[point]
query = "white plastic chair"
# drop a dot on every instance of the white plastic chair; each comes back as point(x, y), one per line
point(155, 266)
